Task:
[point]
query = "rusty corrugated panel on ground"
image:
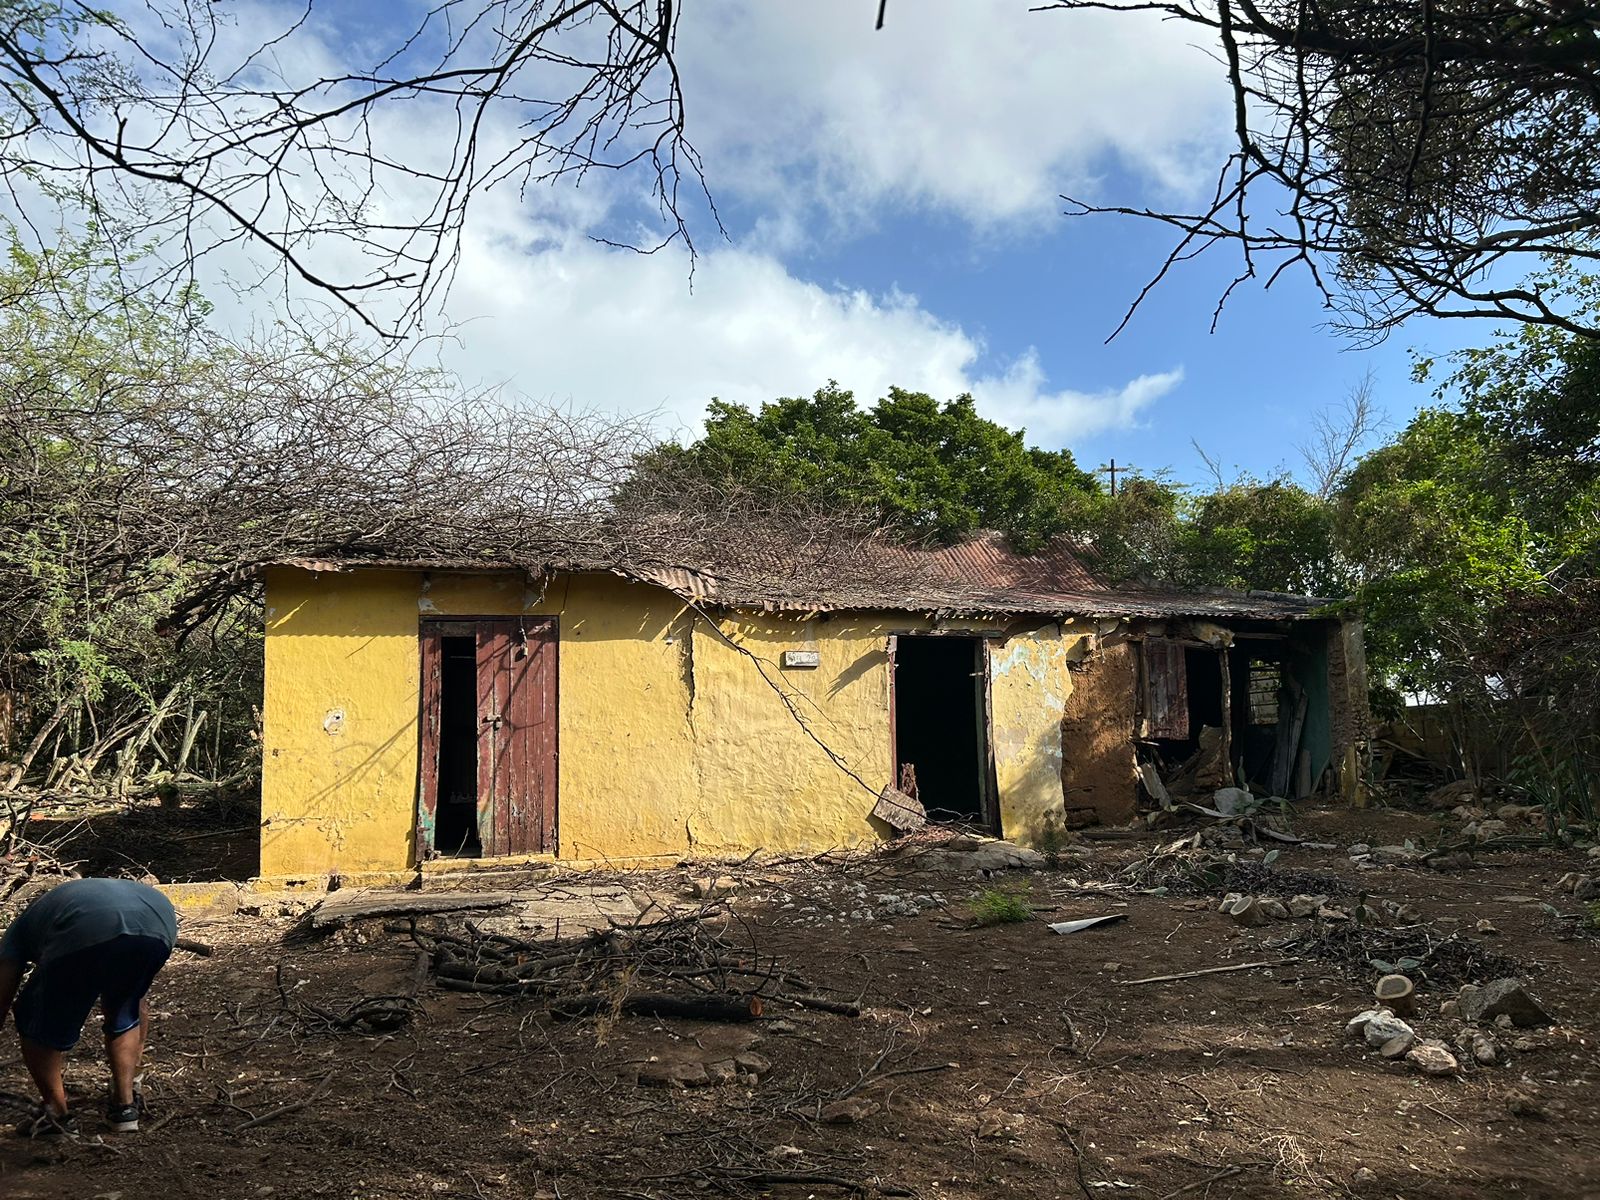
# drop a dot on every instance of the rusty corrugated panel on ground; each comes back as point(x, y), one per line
point(1166, 690)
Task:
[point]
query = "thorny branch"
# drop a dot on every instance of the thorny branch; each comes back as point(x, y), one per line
point(177, 125)
point(1413, 157)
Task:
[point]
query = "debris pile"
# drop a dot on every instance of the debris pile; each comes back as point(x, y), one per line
point(680, 965)
point(1417, 952)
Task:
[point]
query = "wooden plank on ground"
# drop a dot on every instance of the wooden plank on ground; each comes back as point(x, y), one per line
point(340, 909)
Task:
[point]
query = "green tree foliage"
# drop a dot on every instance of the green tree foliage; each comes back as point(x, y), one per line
point(1436, 538)
point(84, 577)
point(934, 470)
point(1474, 536)
point(1274, 536)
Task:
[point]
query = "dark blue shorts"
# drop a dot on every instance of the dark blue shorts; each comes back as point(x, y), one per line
point(59, 994)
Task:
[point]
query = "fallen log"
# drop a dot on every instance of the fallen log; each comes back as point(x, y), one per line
point(841, 1008)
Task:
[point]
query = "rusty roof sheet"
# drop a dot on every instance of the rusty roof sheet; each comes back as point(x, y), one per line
point(981, 577)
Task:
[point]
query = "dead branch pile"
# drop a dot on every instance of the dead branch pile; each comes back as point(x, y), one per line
point(1417, 951)
point(25, 876)
point(1200, 872)
point(665, 966)
point(368, 1014)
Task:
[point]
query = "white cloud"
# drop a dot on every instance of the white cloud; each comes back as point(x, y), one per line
point(980, 110)
point(985, 110)
point(610, 329)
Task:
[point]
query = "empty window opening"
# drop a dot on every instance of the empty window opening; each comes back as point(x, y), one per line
point(941, 726)
point(456, 817)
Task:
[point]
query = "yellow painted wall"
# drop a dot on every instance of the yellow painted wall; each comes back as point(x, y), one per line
point(671, 739)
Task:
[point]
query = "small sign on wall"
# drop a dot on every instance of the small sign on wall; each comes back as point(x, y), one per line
point(800, 660)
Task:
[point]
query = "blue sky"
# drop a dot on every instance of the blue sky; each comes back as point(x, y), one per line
point(891, 202)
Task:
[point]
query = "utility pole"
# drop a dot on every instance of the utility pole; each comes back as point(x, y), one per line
point(1112, 469)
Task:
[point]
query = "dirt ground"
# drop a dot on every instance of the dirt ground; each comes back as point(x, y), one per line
point(990, 1061)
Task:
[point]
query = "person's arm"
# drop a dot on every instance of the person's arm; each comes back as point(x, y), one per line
point(10, 980)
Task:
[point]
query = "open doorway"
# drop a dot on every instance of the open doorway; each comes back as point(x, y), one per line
point(455, 828)
point(941, 742)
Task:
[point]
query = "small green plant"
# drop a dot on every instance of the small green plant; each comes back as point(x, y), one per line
point(1593, 917)
point(1051, 838)
point(996, 907)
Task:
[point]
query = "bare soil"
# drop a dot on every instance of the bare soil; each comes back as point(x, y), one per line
point(1050, 1071)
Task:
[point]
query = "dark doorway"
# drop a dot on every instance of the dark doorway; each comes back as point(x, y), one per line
point(941, 725)
point(488, 740)
point(456, 820)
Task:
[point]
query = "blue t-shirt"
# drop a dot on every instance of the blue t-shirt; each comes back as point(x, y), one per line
point(86, 912)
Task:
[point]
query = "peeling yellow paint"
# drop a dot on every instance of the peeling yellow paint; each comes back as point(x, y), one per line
point(677, 733)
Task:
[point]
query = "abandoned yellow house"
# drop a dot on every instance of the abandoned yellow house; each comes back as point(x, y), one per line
point(424, 714)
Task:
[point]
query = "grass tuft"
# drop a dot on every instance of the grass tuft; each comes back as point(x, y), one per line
point(995, 907)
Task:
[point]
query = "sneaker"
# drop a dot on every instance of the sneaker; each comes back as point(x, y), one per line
point(124, 1118)
point(46, 1124)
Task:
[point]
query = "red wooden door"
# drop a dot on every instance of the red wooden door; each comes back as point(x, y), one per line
point(514, 705)
point(517, 736)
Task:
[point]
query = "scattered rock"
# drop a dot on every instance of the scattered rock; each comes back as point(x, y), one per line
point(1485, 925)
point(1525, 1107)
point(1527, 1045)
point(1385, 1027)
point(1360, 848)
point(1274, 910)
point(1231, 801)
point(786, 1152)
point(1357, 1025)
point(1594, 851)
point(1229, 901)
point(752, 1063)
point(1305, 906)
point(1458, 860)
point(1504, 1021)
point(992, 1125)
point(711, 887)
point(1111, 968)
point(1478, 1046)
point(1467, 813)
point(1503, 997)
point(848, 1111)
point(984, 856)
point(722, 1071)
point(1364, 1181)
point(1433, 1057)
point(1586, 889)
point(1492, 829)
point(1396, 1047)
point(1519, 812)
point(1449, 1008)
point(673, 1074)
point(1395, 854)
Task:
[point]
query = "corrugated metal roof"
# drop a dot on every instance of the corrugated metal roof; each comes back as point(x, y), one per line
point(981, 577)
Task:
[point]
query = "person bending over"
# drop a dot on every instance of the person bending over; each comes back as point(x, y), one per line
point(88, 940)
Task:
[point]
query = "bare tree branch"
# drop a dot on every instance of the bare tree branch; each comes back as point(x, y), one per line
point(1413, 156)
point(173, 124)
